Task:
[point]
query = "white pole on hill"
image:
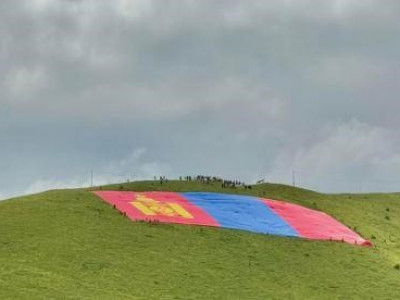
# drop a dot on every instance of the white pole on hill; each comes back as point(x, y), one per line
point(91, 178)
point(294, 178)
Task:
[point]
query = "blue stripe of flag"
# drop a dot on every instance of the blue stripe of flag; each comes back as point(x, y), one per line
point(241, 212)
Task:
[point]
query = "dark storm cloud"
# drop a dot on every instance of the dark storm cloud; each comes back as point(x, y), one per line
point(233, 88)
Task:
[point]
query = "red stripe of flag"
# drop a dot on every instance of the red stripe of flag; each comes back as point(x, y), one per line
point(312, 224)
point(165, 207)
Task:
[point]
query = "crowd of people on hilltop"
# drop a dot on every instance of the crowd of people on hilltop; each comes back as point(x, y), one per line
point(225, 183)
point(206, 180)
point(202, 178)
point(213, 179)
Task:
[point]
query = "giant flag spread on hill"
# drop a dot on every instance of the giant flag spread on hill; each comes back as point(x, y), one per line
point(231, 211)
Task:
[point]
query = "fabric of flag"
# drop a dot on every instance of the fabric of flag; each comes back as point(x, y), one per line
point(232, 211)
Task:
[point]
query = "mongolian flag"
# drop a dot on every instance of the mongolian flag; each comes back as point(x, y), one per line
point(232, 211)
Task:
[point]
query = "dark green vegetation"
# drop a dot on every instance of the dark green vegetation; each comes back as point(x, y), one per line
point(68, 244)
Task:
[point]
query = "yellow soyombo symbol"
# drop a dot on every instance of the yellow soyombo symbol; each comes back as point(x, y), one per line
point(151, 207)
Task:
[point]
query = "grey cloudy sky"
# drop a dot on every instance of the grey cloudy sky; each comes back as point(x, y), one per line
point(239, 89)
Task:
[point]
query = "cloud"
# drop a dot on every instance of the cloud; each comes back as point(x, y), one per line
point(23, 82)
point(352, 155)
point(346, 72)
point(136, 165)
point(231, 88)
point(44, 185)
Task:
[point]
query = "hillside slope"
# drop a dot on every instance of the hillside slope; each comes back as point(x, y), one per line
point(69, 244)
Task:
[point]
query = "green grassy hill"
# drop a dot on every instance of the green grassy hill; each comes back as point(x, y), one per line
point(69, 244)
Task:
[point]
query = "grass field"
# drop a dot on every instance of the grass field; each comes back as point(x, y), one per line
point(69, 244)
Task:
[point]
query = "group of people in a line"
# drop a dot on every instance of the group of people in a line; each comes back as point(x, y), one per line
point(207, 180)
point(213, 179)
point(234, 184)
point(201, 178)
